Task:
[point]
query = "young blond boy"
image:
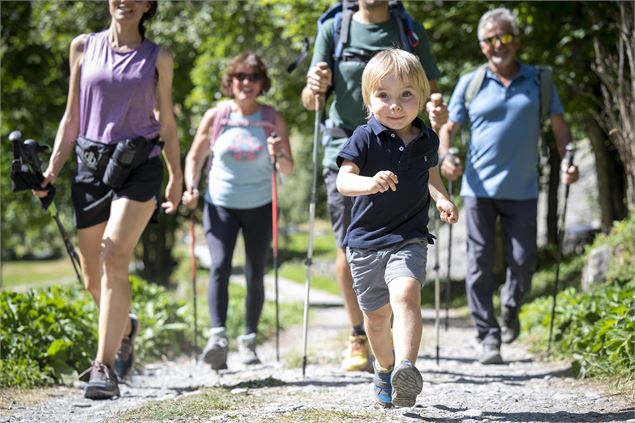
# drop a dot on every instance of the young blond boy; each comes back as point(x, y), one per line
point(390, 168)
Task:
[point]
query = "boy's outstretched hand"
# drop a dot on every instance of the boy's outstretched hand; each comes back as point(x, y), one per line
point(447, 211)
point(383, 181)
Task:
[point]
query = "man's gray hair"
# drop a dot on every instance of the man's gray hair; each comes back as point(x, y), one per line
point(498, 15)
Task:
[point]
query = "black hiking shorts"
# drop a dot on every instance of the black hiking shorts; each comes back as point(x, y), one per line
point(92, 198)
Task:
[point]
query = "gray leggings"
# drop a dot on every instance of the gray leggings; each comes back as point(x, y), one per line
point(221, 230)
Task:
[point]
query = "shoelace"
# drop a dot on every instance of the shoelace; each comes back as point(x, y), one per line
point(98, 367)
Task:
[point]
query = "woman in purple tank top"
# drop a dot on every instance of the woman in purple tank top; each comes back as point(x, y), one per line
point(120, 89)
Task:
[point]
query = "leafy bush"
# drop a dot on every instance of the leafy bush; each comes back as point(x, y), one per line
point(45, 335)
point(50, 335)
point(596, 328)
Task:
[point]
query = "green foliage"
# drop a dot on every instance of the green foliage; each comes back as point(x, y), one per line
point(165, 322)
point(597, 328)
point(45, 335)
point(203, 35)
point(50, 335)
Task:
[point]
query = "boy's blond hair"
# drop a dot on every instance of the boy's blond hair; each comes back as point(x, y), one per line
point(405, 66)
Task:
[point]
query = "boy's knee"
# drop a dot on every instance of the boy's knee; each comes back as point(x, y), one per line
point(379, 315)
point(406, 291)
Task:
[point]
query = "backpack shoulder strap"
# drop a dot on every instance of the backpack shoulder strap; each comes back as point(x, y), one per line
point(269, 119)
point(407, 35)
point(474, 85)
point(341, 31)
point(545, 76)
point(223, 110)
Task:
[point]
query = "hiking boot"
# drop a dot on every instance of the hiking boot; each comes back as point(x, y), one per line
point(215, 352)
point(511, 325)
point(125, 357)
point(490, 354)
point(382, 388)
point(357, 354)
point(247, 349)
point(407, 383)
point(103, 383)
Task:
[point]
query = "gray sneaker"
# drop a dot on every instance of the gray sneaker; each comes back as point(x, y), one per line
point(490, 354)
point(103, 383)
point(215, 352)
point(125, 358)
point(406, 383)
point(247, 349)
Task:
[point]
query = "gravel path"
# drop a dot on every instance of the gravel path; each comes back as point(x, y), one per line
point(458, 389)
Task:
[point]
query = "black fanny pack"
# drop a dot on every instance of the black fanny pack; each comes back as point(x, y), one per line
point(94, 154)
point(112, 163)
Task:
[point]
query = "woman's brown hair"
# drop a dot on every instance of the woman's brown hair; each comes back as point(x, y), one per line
point(251, 60)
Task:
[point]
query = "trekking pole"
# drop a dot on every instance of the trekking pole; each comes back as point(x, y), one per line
point(52, 210)
point(568, 157)
point(437, 294)
point(193, 263)
point(309, 250)
point(274, 229)
point(452, 152)
point(26, 173)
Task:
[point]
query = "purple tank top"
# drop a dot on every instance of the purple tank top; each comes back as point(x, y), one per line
point(117, 91)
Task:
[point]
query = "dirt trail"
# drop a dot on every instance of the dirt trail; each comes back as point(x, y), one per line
point(458, 389)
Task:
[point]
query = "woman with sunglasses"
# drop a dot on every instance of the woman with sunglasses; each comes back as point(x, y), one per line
point(244, 139)
point(120, 90)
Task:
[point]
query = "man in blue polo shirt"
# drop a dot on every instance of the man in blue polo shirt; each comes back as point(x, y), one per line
point(501, 175)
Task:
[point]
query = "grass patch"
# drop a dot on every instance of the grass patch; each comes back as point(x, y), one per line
point(296, 272)
point(37, 272)
point(211, 403)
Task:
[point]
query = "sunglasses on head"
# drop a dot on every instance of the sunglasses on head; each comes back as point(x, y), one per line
point(504, 39)
point(251, 77)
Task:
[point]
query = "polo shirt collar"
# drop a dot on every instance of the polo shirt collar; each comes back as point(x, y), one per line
point(524, 71)
point(379, 129)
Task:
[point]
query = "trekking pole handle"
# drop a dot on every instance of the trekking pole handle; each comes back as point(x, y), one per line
point(15, 136)
point(569, 154)
point(436, 99)
point(453, 153)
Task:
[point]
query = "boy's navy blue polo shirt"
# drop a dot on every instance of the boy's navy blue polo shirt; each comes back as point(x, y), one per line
point(384, 219)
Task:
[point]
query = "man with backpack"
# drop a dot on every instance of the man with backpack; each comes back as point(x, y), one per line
point(501, 104)
point(349, 34)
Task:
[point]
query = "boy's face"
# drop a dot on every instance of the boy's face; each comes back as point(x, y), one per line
point(395, 103)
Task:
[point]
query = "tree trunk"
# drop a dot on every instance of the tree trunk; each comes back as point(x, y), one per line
point(553, 183)
point(157, 242)
point(610, 176)
point(615, 68)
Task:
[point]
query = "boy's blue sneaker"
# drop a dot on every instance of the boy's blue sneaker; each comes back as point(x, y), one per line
point(406, 384)
point(382, 388)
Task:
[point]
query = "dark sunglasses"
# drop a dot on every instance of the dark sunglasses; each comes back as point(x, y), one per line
point(251, 77)
point(504, 39)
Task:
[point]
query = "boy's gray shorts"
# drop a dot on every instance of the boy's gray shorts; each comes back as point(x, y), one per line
point(373, 270)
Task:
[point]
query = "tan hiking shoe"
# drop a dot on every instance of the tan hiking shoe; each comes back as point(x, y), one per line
point(357, 356)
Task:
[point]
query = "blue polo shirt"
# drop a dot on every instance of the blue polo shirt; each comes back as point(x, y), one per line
point(384, 219)
point(502, 159)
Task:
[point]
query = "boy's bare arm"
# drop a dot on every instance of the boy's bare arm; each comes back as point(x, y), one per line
point(351, 183)
point(447, 210)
